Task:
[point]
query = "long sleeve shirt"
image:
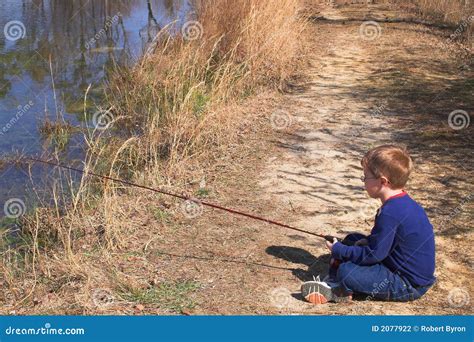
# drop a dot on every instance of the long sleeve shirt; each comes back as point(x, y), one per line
point(402, 239)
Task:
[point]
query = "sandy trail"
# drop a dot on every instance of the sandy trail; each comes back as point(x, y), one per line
point(352, 103)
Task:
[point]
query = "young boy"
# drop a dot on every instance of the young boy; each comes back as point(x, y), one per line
point(397, 260)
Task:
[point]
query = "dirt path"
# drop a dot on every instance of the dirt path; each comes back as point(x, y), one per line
point(393, 83)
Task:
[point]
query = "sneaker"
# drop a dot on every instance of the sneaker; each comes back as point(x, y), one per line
point(320, 292)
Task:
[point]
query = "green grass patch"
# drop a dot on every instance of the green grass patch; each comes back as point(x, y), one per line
point(160, 215)
point(200, 102)
point(173, 296)
point(202, 192)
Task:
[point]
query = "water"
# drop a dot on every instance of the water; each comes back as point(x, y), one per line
point(71, 45)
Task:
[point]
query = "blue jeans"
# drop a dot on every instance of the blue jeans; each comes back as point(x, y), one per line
point(375, 281)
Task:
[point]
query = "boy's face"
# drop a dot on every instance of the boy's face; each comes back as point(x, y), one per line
point(373, 185)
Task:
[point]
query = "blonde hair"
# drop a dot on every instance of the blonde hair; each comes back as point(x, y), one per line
point(390, 161)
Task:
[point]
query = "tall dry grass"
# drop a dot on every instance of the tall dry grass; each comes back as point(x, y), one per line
point(451, 11)
point(174, 95)
point(169, 110)
point(458, 13)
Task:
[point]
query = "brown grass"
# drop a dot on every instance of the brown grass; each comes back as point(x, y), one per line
point(174, 95)
point(451, 11)
point(456, 12)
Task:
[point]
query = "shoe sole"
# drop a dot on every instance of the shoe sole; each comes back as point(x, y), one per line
point(316, 293)
point(316, 298)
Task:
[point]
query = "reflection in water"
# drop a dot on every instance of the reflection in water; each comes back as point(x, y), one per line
point(67, 45)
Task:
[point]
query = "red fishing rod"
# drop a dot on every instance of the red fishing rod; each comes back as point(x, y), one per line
point(329, 238)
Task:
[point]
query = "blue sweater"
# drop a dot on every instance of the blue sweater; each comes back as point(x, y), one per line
point(402, 239)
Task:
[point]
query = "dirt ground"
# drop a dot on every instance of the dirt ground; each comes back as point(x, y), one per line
point(297, 160)
point(398, 87)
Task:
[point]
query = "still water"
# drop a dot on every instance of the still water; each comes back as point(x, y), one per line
point(50, 52)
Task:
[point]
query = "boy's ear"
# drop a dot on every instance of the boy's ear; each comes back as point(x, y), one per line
point(384, 181)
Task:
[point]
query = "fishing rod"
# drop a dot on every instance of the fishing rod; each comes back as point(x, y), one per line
point(329, 238)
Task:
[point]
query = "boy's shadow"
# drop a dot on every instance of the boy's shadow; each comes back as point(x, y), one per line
point(316, 265)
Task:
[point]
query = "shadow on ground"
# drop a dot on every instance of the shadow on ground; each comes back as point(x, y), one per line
point(315, 265)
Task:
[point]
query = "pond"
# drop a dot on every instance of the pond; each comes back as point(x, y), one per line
point(51, 51)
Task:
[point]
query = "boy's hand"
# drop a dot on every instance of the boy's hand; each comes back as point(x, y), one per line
point(361, 242)
point(329, 244)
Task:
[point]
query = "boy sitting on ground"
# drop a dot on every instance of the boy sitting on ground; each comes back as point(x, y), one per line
point(396, 261)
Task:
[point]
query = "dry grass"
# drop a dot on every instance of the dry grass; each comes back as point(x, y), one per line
point(57, 133)
point(451, 11)
point(173, 97)
point(456, 12)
